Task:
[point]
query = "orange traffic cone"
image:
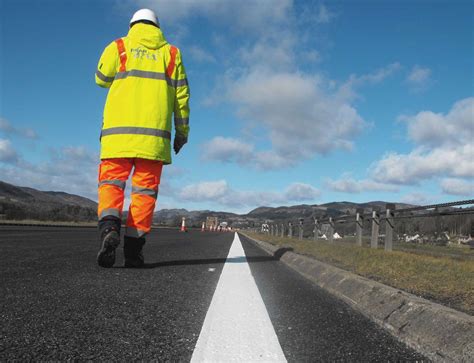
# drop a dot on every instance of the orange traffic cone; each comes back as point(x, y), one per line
point(183, 225)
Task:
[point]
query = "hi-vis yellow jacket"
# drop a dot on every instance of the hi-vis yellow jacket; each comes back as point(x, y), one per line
point(147, 84)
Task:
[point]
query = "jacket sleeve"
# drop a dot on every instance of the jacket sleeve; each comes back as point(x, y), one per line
point(107, 67)
point(181, 104)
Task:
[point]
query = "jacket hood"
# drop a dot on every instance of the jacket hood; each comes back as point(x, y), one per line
point(149, 36)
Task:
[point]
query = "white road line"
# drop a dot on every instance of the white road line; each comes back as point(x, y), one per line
point(237, 327)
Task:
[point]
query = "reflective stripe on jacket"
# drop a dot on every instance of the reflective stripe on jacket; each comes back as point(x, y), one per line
point(142, 96)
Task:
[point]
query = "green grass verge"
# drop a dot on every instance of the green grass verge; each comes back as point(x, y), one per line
point(455, 251)
point(462, 252)
point(444, 279)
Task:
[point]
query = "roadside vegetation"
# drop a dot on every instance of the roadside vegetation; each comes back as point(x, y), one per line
point(458, 251)
point(441, 274)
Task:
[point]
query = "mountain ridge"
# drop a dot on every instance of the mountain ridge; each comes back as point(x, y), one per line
point(28, 203)
point(19, 203)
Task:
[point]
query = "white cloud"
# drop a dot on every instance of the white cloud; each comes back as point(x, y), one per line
point(348, 88)
point(458, 187)
point(419, 78)
point(69, 169)
point(9, 130)
point(378, 75)
point(263, 81)
point(255, 15)
point(301, 192)
point(445, 148)
point(172, 171)
point(419, 74)
point(227, 150)
point(421, 164)
point(200, 55)
point(436, 129)
point(77, 154)
point(301, 117)
point(232, 150)
point(269, 160)
point(7, 152)
point(417, 199)
point(348, 184)
point(312, 13)
point(205, 191)
point(303, 114)
point(324, 16)
point(219, 192)
point(275, 51)
point(311, 56)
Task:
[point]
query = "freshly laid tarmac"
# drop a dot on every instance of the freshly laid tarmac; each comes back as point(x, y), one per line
point(57, 304)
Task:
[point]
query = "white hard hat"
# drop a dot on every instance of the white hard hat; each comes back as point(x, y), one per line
point(145, 14)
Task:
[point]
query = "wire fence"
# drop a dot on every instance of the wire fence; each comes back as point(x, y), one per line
point(434, 224)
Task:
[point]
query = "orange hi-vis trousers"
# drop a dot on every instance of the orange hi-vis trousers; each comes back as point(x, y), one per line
point(113, 174)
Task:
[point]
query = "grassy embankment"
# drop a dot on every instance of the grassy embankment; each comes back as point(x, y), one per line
point(442, 274)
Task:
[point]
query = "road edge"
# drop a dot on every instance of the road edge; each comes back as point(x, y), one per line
point(438, 332)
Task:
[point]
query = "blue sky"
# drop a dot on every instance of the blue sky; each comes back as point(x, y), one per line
point(292, 101)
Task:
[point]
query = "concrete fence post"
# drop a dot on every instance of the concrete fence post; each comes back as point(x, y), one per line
point(331, 230)
point(271, 229)
point(290, 230)
point(282, 230)
point(301, 229)
point(374, 240)
point(276, 230)
point(437, 222)
point(315, 235)
point(389, 226)
point(359, 228)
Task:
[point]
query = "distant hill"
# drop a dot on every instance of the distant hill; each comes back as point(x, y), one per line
point(333, 209)
point(172, 217)
point(19, 203)
point(351, 208)
point(282, 214)
point(28, 203)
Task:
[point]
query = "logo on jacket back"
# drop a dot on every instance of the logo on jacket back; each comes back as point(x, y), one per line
point(140, 53)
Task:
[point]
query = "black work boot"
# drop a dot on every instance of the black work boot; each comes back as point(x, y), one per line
point(132, 251)
point(109, 230)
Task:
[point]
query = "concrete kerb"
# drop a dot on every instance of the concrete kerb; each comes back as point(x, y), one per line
point(440, 333)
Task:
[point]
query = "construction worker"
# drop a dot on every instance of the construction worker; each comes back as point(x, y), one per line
point(147, 84)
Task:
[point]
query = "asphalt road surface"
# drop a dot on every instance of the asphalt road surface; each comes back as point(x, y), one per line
point(187, 304)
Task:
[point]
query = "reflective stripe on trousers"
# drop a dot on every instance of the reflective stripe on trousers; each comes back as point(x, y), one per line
point(116, 182)
point(145, 191)
point(110, 212)
point(145, 182)
point(134, 232)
